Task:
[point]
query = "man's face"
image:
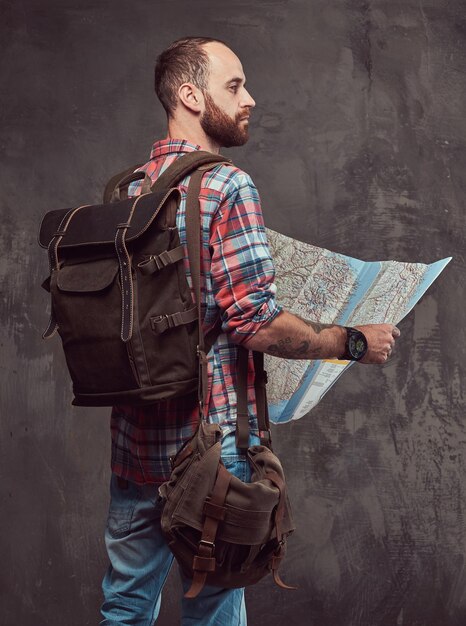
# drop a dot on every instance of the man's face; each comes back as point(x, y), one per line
point(227, 103)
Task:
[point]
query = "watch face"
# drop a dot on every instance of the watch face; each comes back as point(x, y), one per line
point(357, 345)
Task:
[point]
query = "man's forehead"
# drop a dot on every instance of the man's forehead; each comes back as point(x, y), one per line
point(224, 64)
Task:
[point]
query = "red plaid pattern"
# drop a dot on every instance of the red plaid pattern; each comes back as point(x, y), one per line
point(237, 285)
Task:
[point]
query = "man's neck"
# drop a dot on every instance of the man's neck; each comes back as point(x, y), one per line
point(192, 133)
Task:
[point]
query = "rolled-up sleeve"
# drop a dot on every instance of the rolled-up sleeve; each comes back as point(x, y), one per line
point(242, 269)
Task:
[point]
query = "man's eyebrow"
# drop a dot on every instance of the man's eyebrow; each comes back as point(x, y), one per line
point(237, 80)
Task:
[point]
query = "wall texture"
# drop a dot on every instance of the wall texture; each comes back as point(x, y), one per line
point(358, 144)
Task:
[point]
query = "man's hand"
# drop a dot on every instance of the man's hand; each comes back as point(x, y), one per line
point(380, 342)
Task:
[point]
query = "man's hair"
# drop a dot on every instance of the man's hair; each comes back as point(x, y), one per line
point(184, 61)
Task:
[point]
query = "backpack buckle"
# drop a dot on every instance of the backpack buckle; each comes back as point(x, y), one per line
point(210, 545)
point(160, 323)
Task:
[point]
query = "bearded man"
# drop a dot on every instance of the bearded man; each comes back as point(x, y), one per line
point(201, 84)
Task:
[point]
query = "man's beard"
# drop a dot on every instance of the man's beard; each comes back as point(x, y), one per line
point(224, 130)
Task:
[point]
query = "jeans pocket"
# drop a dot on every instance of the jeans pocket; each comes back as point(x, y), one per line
point(123, 503)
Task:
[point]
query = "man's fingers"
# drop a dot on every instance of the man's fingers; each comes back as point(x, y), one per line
point(381, 340)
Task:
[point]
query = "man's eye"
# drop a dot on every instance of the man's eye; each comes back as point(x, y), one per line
point(233, 88)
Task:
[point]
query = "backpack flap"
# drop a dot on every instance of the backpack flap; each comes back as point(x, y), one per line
point(79, 279)
point(248, 506)
point(97, 224)
point(117, 224)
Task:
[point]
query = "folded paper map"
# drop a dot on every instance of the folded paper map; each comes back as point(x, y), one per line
point(326, 287)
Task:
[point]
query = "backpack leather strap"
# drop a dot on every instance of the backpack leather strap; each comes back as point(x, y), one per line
point(116, 180)
point(185, 164)
point(161, 323)
point(54, 262)
point(171, 176)
point(126, 276)
point(121, 188)
point(157, 262)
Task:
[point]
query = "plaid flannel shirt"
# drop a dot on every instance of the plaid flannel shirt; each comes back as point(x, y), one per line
point(237, 277)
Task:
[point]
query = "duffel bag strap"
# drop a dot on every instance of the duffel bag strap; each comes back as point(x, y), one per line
point(214, 512)
point(260, 387)
point(242, 416)
point(193, 240)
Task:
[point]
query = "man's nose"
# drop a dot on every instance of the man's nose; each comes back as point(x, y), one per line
point(248, 100)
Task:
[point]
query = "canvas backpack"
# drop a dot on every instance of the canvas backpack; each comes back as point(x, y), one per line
point(223, 531)
point(120, 299)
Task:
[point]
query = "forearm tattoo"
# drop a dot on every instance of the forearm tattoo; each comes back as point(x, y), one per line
point(290, 348)
point(316, 326)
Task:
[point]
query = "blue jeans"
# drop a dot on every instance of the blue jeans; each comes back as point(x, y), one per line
point(140, 559)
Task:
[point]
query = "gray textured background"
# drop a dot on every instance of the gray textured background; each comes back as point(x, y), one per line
point(358, 144)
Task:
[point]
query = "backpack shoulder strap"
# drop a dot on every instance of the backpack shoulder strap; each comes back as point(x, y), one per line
point(185, 164)
point(180, 168)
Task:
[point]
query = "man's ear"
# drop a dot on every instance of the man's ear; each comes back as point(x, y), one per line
point(192, 97)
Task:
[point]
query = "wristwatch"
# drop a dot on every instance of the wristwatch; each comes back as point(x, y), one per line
point(355, 346)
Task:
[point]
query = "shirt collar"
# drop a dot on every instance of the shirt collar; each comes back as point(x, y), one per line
point(165, 147)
